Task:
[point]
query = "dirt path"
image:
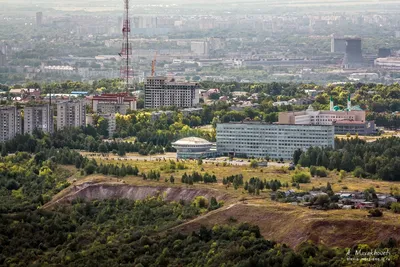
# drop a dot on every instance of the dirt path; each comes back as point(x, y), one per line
point(200, 218)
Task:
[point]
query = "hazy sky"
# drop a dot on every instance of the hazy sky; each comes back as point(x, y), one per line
point(244, 5)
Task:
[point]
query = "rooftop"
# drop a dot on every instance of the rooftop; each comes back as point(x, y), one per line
point(192, 141)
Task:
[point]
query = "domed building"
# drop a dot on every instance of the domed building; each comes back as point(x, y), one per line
point(194, 148)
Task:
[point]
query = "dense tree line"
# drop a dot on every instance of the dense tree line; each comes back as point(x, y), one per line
point(379, 159)
point(196, 177)
point(152, 175)
point(27, 182)
point(236, 180)
point(255, 185)
point(120, 171)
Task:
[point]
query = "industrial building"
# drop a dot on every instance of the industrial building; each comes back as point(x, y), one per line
point(38, 117)
point(161, 92)
point(194, 148)
point(258, 139)
point(39, 18)
point(199, 47)
point(112, 103)
point(353, 57)
point(384, 52)
point(10, 123)
point(71, 113)
point(338, 45)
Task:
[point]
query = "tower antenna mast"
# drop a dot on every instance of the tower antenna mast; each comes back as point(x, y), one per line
point(126, 53)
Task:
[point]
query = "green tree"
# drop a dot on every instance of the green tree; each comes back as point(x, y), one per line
point(253, 163)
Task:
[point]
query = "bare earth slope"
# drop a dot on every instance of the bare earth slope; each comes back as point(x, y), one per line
point(91, 191)
point(294, 225)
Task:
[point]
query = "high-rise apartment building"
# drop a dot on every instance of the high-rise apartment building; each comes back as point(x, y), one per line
point(71, 113)
point(159, 92)
point(10, 123)
point(257, 139)
point(38, 117)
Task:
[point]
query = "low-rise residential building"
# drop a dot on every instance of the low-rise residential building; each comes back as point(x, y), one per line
point(157, 115)
point(257, 139)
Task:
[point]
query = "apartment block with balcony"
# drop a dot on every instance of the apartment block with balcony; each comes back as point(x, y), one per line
point(71, 113)
point(10, 123)
point(38, 117)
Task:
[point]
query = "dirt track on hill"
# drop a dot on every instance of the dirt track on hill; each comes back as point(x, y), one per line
point(289, 226)
point(283, 223)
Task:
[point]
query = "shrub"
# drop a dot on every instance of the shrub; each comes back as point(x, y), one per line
point(359, 172)
point(321, 172)
point(301, 177)
point(375, 213)
point(90, 169)
point(253, 164)
point(395, 207)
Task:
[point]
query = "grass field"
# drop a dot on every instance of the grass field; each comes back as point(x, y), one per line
point(349, 183)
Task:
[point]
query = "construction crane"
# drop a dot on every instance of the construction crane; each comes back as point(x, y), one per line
point(153, 65)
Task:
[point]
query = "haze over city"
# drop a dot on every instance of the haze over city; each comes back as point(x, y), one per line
point(200, 133)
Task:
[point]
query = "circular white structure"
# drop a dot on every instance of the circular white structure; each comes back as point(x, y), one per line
point(192, 147)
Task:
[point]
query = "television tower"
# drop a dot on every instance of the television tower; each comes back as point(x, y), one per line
point(126, 52)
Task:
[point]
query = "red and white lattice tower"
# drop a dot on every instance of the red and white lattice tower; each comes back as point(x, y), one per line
point(126, 52)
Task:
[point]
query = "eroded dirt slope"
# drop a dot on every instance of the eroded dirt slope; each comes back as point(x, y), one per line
point(294, 225)
point(92, 191)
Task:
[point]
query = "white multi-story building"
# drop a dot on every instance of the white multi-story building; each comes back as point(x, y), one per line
point(38, 117)
point(71, 114)
point(388, 63)
point(257, 139)
point(320, 117)
point(112, 103)
point(345, 121)
point(199, 47)
point(10, 123)
point(160, 92)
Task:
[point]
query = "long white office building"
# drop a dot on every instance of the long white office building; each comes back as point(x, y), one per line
point(257, 139)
